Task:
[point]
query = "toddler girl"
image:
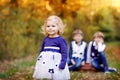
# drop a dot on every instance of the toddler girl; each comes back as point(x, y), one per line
point(51, 63)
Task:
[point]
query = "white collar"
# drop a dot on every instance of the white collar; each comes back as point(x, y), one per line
point(94, 44)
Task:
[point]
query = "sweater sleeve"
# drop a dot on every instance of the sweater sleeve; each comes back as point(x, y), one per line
point(63, 50)
point(89, 53)
point(101, 47)
point(70, 51)
point(42, 45)
point(85, 53)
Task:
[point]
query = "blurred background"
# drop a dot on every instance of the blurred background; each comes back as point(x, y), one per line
point(21, 21)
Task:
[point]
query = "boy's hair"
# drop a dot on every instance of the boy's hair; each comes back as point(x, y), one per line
point(77, 31)
point(57, 20)
point(99, 34)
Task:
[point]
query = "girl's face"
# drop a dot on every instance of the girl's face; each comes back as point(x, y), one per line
point(51, 29)
point(77, 38)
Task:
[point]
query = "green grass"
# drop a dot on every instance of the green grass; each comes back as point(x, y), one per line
point(94, 76)
point(22, 69)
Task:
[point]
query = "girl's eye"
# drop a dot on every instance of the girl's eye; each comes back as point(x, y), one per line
point(53, 26)
point(48, 26)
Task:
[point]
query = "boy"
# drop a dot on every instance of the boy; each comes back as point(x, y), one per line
point(96, 55)
point(77, 51)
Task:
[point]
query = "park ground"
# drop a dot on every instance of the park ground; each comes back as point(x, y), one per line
point(22, 69)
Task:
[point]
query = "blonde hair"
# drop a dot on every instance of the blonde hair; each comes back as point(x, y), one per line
point(77, 31)
point(99, 34)
point(57, 20)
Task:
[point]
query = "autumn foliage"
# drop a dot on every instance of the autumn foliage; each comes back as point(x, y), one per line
point(21, 21)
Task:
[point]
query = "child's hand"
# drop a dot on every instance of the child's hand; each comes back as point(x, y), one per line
point(83, 62)
point(72, 61)
point(89, 64)
point(101, 40)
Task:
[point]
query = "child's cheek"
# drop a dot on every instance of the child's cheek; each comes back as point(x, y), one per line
point(96, 40)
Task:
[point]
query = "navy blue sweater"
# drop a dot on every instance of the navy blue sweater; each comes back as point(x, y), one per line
point(57, 42)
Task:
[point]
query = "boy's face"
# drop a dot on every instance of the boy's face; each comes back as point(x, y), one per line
point(77, 38)
point(98, 39)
